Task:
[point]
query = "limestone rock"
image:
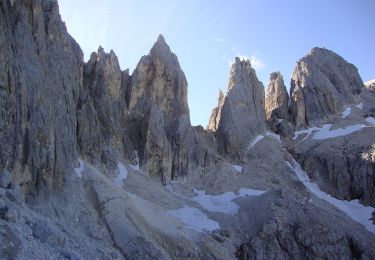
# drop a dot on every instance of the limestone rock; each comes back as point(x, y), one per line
point(212, 124)
point(159, 122)
point(102, 109)
point(40, 78)
point(5, 179)
point(158, 79)
point(343, 167)
point(277, 98)
point(322, 83)
point(240, 115)
point(277, 110)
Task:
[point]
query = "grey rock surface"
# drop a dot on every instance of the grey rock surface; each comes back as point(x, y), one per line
point(277, 106)
point(240, 114)
point(159, 122)
point(322, 83)
point(40, 76)
point(277, 98)
point(55, 108)
point(102, 109)
point(5, 179)
point(344, 166)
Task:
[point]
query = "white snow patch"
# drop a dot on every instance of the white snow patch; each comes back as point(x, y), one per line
point(224, 202)
point(346, 112)
point(80, 168)
point(308, 132)
point(237, 168)
point(325, 131)
point(195, 219)
point(123, 174)
point(370, 120)
point(256, 140)
point(274, 136)
point(353, 209)
point(261, 137)
point(135, 167)
point(359, 106)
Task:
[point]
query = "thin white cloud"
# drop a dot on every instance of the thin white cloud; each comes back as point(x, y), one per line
point(256, 63)
point(218, 39)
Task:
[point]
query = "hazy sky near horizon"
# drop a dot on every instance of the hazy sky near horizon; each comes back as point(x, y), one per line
point(207, 35)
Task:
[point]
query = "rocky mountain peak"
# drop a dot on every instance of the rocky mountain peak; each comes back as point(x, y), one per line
point(240, 115)
point(150, 86)
point(322, 83)
point(277, 97)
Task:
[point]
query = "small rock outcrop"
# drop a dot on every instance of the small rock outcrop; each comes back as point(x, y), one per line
point(240, 114)
point(322, 83)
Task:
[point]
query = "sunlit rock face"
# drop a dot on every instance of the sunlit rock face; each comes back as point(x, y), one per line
point(277, 106)
point(159, 124)
point(322, 83)
point(240, 114)
point(277, 98)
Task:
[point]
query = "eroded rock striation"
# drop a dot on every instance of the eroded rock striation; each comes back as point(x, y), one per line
point(277, 106)
point(322, 83)
point(40, 81)
point(240, 114)
point(131, 131)
point(167, 144)
point(102, 111)
point(277, 98)
point(344, 166)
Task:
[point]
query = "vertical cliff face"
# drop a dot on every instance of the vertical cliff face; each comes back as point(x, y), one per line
point(102, 110)
point(322, 83)
point(240, 115)
point(40, 80)
point(277, 106)
point(277, 98)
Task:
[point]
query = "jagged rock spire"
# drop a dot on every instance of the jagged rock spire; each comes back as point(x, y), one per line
point(277, 98)
point(240, 115)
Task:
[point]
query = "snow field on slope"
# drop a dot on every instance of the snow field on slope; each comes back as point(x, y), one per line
point(353, 208)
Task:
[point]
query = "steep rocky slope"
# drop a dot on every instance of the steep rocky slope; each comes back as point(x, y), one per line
point(96, 163)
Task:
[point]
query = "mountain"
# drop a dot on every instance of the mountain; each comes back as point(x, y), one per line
point(98, 163)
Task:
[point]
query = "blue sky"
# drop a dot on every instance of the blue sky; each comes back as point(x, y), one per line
point(207, 35)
